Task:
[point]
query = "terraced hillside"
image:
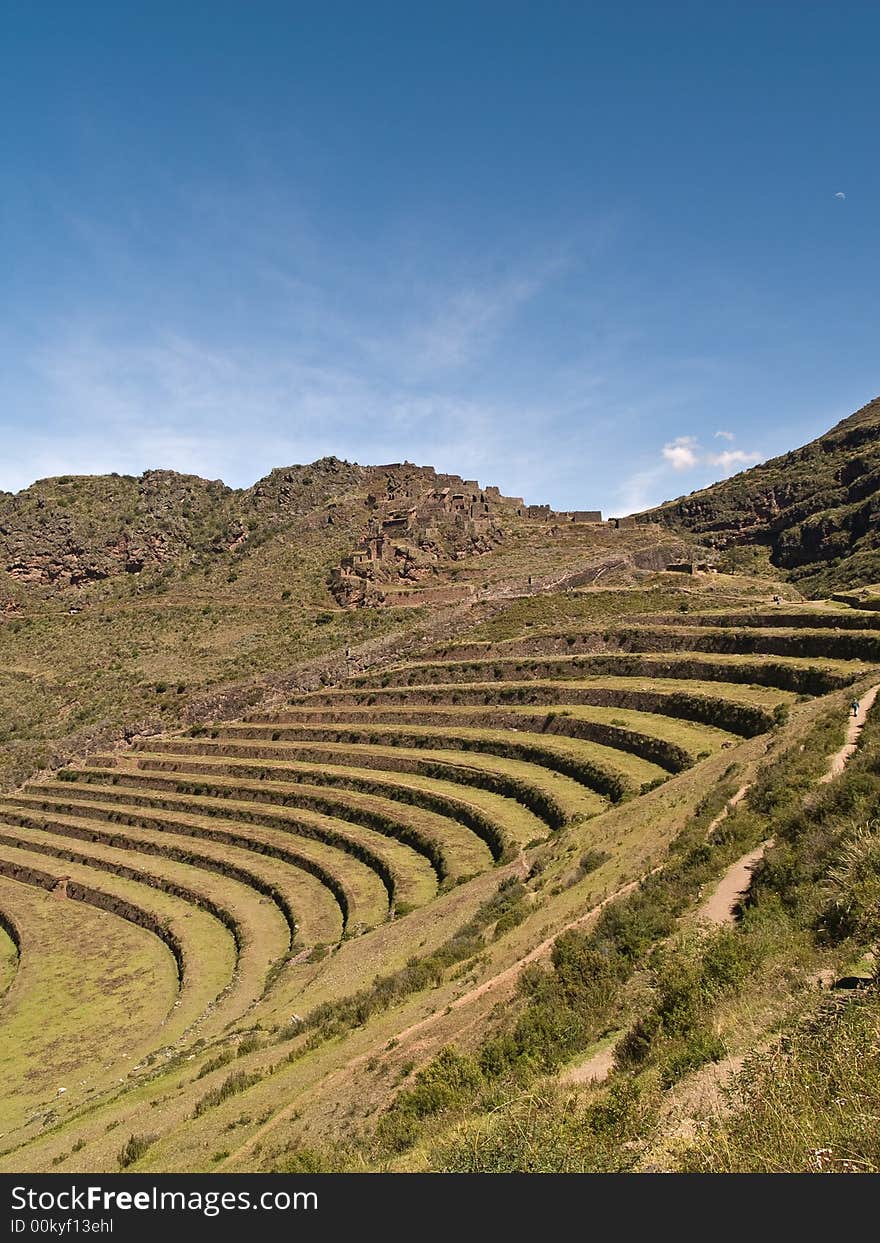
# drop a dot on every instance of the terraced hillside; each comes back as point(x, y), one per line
point(297, 909)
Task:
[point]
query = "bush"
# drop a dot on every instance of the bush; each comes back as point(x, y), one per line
point(134, 1148)
point(591, 860)
point(222, 1059)
point(549, 1132)
point(240, 1081)
point(450, 1080)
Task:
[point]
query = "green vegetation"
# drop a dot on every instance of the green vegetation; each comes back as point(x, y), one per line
point(134, 1148)
point(808, 1107)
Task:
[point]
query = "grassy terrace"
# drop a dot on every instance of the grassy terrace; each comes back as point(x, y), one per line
point(769, 641)
point(451, 847)
point(423, 742)
point(377, 818)
point(816, 615)
point(355, 869)
point(309, 909)
point(741, 709)
point(811, 676)
point(85, 977)
point(618, 728)
point(203, 946)
point(330, 1081)
point(495, 818)
point(259, 932)
point(8, 952)
point(552, 796)
point(358, 889)
point(530, 762)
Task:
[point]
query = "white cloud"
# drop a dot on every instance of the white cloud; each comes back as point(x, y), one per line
point(732, 457)
point(685, 453)
point(651, 486)
point(681, 453)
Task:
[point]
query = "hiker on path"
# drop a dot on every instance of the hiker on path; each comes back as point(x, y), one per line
point(855, 707)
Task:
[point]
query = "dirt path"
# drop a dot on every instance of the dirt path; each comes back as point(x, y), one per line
point(593, 1070)
point(720, 908)
point(729, 806)
point(854, 729)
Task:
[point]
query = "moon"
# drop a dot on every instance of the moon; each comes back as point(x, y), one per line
point(840, 195)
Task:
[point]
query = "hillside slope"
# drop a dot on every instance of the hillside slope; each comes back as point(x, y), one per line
point(815, 509)
point(136, 604)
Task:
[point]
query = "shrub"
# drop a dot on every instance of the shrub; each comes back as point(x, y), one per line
point(222, 1059)
point(250, 1044)
point(134, 1148)
point(809, 1105)
point(240, 1081)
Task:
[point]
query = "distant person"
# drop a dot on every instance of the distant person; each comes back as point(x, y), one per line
point(855, 707)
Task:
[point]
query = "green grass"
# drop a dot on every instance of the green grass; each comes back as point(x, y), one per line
point(206, 948)
point(444, 798)
point(750, 694)
point(395, 772)
point(808, 1106)
point(737, 708)
point(356, 886)
point(260, 932)
point(564, 775)
point(319, 823)
point(552, 796)
point(804, 674)
point(90, 988)
point(67, 679)
point(8, 959)
point(534, 613)
point(687, 740)
point(352, 847)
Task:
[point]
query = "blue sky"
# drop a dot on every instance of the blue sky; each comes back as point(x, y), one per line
point(590, 252)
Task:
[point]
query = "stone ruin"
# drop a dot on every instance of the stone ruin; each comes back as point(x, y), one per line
point(419, 520)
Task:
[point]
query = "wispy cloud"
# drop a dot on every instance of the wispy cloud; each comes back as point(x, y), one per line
point(725, 436)
point(732, 457)
point(453, 331)
point(180, 403)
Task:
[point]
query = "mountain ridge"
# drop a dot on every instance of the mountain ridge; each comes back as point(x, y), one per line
point(813, 509)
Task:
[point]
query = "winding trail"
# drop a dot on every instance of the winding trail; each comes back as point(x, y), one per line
point(594, 1070)
point(729, 806)
point(854, 729)
point(720, 908)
